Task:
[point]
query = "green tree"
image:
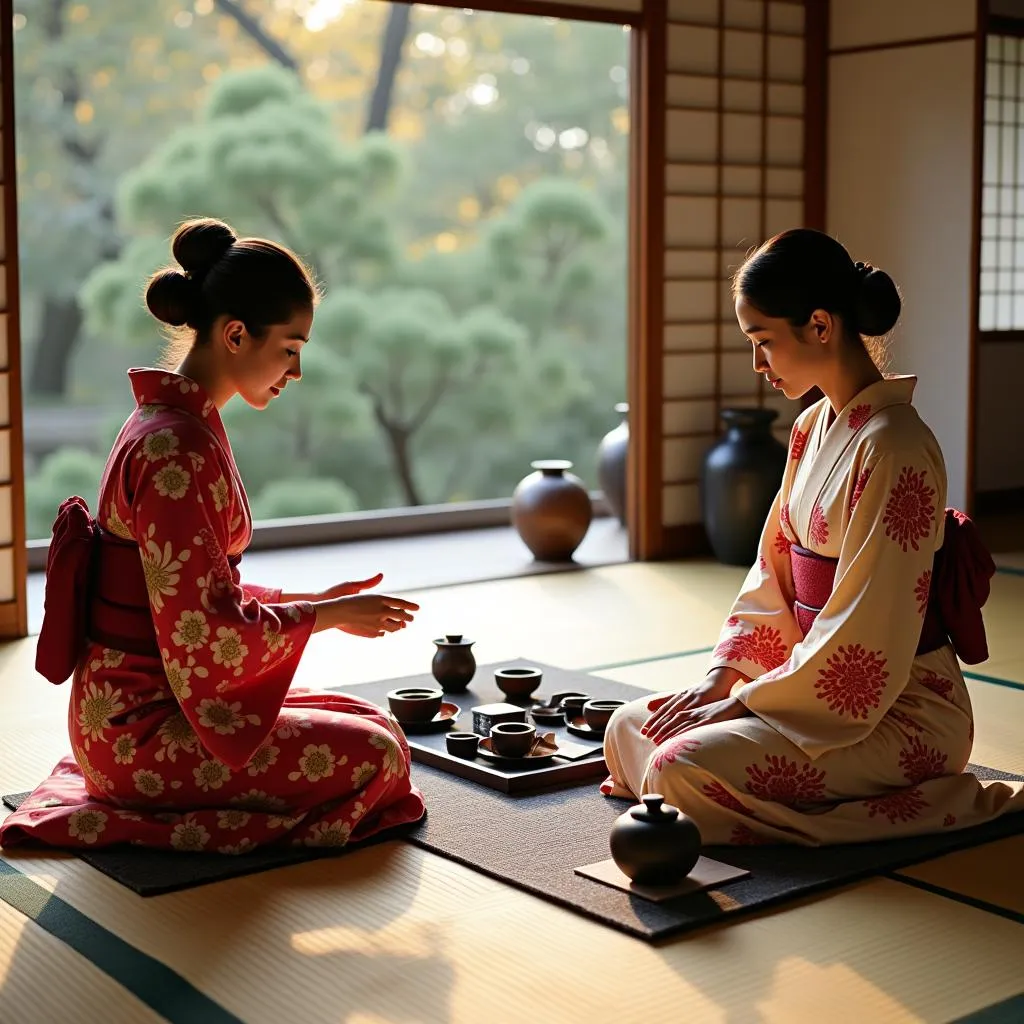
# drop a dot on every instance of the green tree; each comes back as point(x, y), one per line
point(434, 360)
point(65, 472)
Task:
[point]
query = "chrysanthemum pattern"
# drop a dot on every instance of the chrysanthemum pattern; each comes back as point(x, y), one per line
point(921, 762)
point(859, 415)
point(672, 750)
point(203, 742)
point(922, 591)
point(903, 805)
point(858, 488)
point(782, 543)
point(764, 646)
point(787, 782)
point(910, 510)
point(819, 526)
point(853, 681)
point(938, 684)
point(798, 444)
point(720, 795)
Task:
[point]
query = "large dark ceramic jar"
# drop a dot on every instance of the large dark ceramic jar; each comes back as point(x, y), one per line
point(653, 843)
point(611, 464)
point(551, 511)
point(741, 476)
point(453, 665)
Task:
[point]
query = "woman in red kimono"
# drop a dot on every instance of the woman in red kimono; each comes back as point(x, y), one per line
point(184, 730)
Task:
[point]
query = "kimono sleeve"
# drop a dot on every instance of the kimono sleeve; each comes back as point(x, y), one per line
point(256, 592)
point(229, 659)
point(846, 673)
point(761, 629)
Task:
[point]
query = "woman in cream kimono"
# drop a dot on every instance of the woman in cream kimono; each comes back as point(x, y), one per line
point(829, 719)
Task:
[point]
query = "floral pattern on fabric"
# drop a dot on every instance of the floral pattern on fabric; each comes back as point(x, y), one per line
point(180, 742)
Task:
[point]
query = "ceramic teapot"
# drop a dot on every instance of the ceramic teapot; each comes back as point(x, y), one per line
point(454, 665)
point(653, 843)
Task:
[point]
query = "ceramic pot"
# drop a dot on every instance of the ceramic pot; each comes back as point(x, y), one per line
point(611, 464)
point(551, 511)
point(740, 477)
point(454, 665)
point(654, 844)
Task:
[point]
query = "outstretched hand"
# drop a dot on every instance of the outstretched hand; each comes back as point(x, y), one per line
point(350, 588)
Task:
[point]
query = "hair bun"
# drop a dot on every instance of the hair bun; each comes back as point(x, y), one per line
point(878, 301)
point(199, 244)
point(173, 298)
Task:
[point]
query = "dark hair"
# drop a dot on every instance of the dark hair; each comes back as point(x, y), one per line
point(799, 271)
point(254, 280)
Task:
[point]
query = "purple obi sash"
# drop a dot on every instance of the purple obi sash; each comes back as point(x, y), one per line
point(961, 571)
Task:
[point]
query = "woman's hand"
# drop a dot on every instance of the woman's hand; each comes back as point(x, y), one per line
point(684, 720)
point(369, 615)
point(716, 686)
point(348, 589)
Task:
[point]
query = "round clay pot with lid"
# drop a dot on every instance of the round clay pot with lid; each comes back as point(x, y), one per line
point(454, 664)
point(551, 511)
point(653, 843)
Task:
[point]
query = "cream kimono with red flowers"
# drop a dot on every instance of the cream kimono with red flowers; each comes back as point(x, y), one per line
point(206, 747)
point(852, 735)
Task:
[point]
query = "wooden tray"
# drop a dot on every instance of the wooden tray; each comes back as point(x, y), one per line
point(430, 749)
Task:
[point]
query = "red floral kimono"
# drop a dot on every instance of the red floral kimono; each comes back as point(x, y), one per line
point(198, 743)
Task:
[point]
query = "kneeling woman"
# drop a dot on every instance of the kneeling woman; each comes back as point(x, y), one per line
point(185, 731)
point(834, 709)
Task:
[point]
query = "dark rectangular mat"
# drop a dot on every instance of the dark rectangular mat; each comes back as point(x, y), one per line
point(535, 842)
point(155, 872)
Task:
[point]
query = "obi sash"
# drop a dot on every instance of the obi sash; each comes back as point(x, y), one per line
point(961, 574)
point(95, 590)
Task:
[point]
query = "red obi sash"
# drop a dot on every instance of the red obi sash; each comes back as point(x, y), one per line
point(961, 571)
point(95, 590)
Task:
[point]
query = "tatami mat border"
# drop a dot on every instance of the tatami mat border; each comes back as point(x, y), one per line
point(940, 890)
point(1009, 1011)
point(153, 983)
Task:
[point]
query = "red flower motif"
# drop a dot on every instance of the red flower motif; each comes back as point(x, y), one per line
point(786, 782)
point(949, 820)
point(784, 516)
point(922, 591)
point(859, 415)
point(744, 835)
point(938, 684)
point(732, 621)
point(904, 805)
point(782, 544)
point(798, 444)
point(819, 526)
point(721, 796)
point(910, 510)
point(764, 647)
point(762, 563)
point(671, 751)
point(920, 763)
point(858, 488)
point(852, 681)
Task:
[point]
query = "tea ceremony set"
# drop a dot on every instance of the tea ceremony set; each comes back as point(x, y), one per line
point(521, 742)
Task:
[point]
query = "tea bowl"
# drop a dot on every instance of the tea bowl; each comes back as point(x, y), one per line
point(415, 703)
point(573, 706)
point(462, 744)
point(513, 739)
point(597, 713)
point(518, 682)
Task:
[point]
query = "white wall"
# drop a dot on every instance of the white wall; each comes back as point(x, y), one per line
point(900, 195)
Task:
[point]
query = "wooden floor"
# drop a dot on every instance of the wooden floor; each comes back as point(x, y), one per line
point(395, 934)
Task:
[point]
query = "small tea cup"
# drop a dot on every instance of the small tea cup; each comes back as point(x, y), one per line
point(512, 739)
point(415, 703)
point(462, 744)
point(517, 682)
point(573, 706)
point(598, 713)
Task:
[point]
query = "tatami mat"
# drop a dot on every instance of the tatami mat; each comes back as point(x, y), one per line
point(393, 934)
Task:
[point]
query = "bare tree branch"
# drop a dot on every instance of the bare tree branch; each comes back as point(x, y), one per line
point(390, 58)
point(252, 28)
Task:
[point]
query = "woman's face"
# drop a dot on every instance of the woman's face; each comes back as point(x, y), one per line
point(265, 366)
point(791, 358)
